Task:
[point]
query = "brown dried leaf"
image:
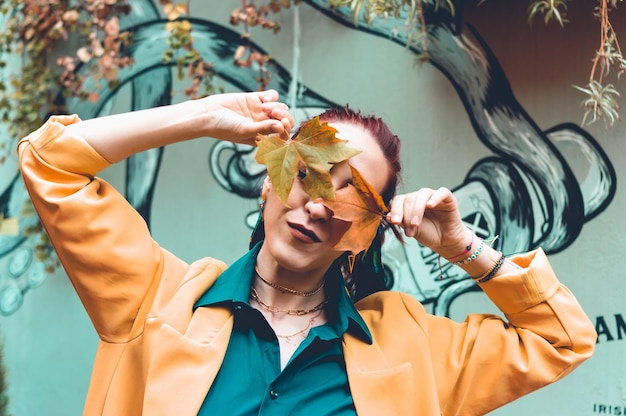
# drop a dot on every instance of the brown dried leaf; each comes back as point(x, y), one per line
point(359, 204)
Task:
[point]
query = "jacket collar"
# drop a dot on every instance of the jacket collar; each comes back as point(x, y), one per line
point(375, 384)
point(233, 287)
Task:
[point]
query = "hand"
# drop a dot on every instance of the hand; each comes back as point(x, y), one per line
point(240, 117)
point(432, 217)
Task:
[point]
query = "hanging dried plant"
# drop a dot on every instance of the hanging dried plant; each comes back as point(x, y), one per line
point(551, 10)
point(601, 102)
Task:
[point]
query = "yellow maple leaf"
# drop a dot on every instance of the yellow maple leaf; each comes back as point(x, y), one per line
point(315, 149)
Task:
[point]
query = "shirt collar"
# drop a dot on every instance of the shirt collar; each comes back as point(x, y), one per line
point(233, 286)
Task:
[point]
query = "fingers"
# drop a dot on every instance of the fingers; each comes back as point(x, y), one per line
point(280, 123)
point(279, 112)
point(271, 127)
point(440, 197)
point(408, 210)
point(268, 96)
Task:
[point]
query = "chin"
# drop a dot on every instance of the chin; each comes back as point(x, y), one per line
point(296, 260)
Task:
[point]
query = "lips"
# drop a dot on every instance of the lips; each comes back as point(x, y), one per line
point(303, 234)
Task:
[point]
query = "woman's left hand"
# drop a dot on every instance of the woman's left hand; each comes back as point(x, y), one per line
point(432, 217)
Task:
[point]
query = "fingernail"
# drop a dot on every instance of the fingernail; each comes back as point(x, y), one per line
point(396, 218)
point(415, 220)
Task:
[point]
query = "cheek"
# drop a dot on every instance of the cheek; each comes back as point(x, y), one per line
point(272, 211)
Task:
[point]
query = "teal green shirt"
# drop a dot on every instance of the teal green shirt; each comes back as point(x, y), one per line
point(250, 381)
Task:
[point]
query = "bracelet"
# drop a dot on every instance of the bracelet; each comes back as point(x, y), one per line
point(492, 272)
point(467, 249)
point(473, 256)
point(467, 260)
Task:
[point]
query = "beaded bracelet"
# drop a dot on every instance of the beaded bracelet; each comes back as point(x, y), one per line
point(467, 250)
point(492, 272)
point(473, 256)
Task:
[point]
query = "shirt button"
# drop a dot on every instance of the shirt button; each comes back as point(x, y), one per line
point(273, 394)
point(238, 308)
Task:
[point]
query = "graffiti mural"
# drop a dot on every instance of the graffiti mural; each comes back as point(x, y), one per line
point(526, 191)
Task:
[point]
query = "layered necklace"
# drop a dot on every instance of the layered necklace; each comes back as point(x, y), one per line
point(289, 339)
point(303, 332)
point(288, 289)
point(276, 309)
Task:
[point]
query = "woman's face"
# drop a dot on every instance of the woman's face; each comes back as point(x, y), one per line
point(301, 237)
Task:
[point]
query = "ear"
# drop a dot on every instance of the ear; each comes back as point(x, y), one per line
point(267, 185)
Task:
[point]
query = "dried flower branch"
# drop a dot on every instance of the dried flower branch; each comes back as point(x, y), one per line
point(250, 15)
point(34, 29)
point(372, 9)
point(189, 62)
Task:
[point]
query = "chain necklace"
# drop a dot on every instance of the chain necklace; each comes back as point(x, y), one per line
point(276, 309)
point(303, 332)
point(289, 290)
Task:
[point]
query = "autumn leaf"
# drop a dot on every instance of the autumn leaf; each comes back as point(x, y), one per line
point(359, 204)
point(315, 149)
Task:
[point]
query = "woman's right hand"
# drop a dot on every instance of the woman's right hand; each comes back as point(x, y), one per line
point(241, 117)
point(236, 117)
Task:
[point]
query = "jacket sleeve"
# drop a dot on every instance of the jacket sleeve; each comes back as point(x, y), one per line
point(486, 362)
point(103, 243)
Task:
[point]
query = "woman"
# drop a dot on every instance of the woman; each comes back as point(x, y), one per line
point(277, 332)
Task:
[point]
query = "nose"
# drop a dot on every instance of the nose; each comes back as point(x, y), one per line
point(317, 211)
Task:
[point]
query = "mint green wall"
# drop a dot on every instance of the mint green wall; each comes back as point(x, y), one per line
point(49, 343)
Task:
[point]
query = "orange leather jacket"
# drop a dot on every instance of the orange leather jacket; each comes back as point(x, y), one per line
point(158, 357)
